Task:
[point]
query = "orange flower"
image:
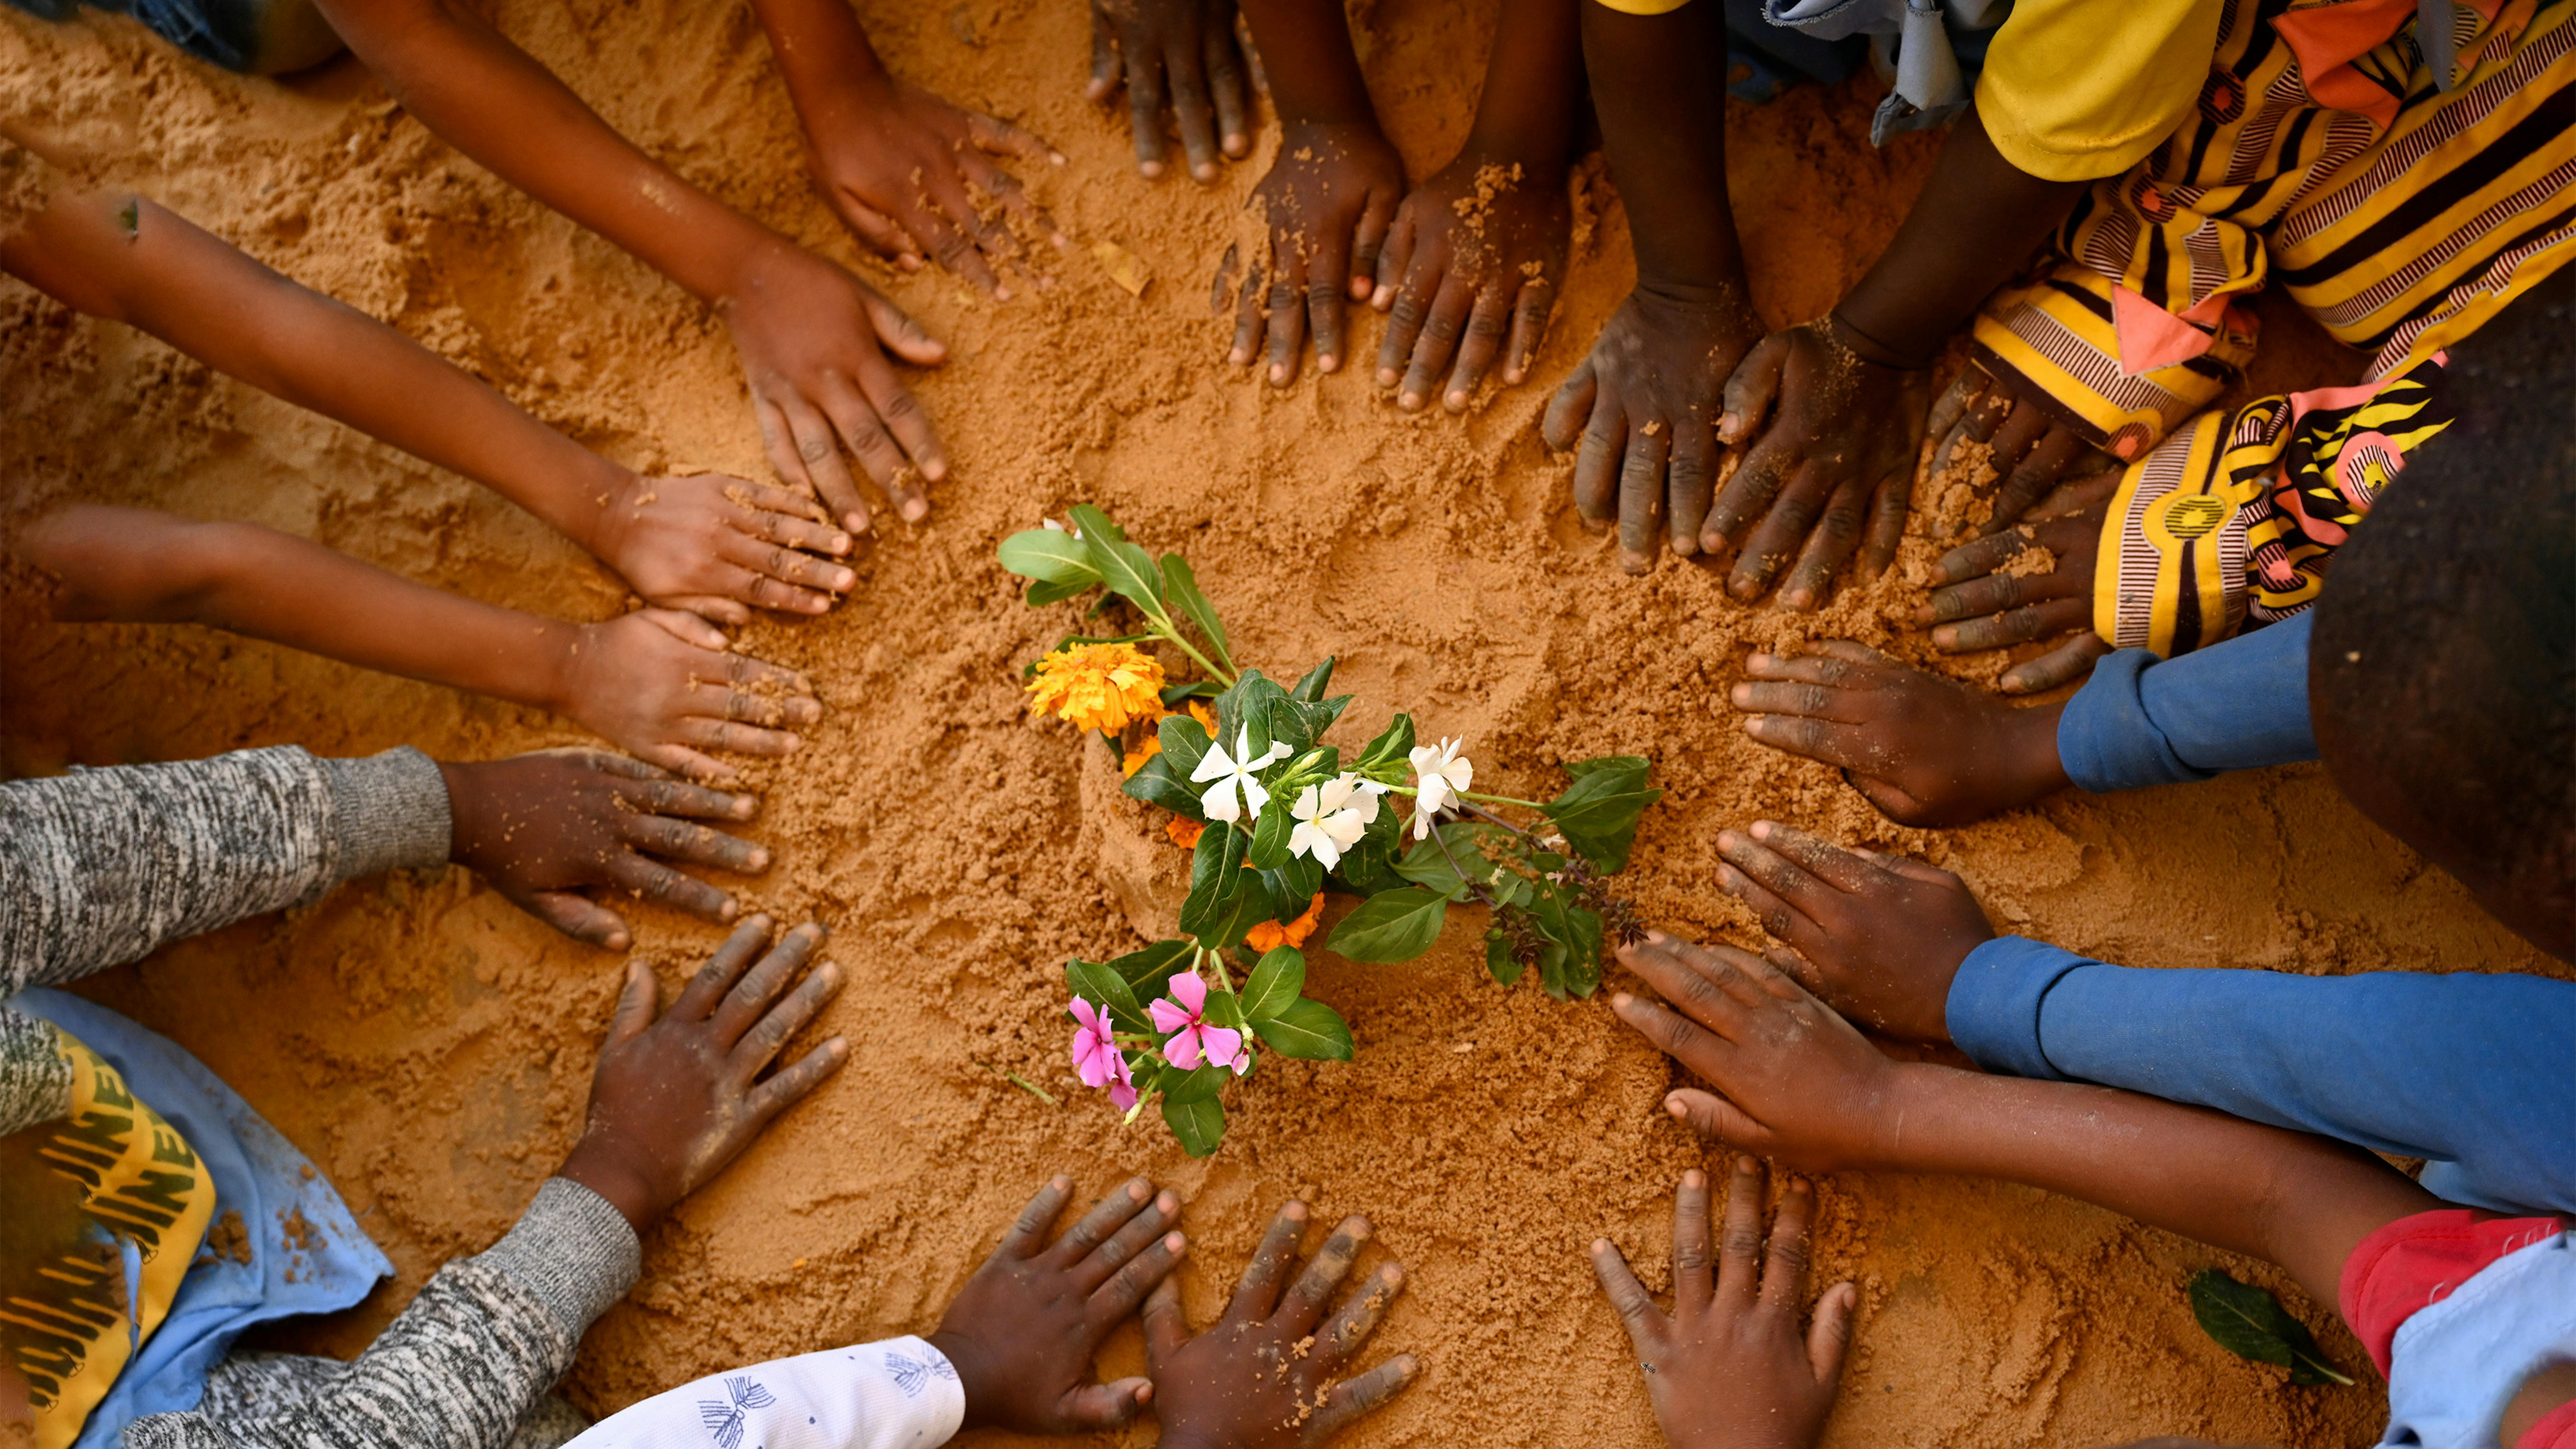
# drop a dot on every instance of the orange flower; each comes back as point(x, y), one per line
point(1098, 686)
point(1135, 759)
point(1184, 831)
point(1270, 934)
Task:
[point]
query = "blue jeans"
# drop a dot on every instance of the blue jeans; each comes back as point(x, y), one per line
point(2474, 1072)
point(2236, 705)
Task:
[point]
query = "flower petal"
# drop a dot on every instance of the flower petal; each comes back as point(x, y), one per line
point(1183, 1050)
point(1212, 766)
point(1166, 1016)
point(1222, 1044)
point(1121, 1096)
point(1221, 804)
point(1190, 991)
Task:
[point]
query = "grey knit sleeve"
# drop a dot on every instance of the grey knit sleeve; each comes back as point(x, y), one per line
point(101, 867)
point(467, 1361)
point(35, 1078)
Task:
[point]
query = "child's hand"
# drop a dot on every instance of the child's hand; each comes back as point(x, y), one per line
point(1800, 1085)
point(898, 162)
point(1927, 751)
point(1643, 404)
point(1264, 1375)
point(675, 1099)
point(660, 683)
point(1185, 47)
point(2000, 608)
point(1022, 1332)
point(1471, 268)
point(714, 545)
point(813, 342)
point(1327, 202)
point(1881, 936)
point(540, 827)
point(1829, 436)
point(2033, 452)
point(1726, 1369)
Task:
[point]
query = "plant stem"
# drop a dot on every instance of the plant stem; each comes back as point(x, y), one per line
point(1493, 819)
point(1504, 800)
point(1473, 888)
point(1165, 629)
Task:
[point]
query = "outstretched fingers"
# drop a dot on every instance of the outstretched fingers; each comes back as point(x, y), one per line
point(1829, 1337)
point(1784, 1271)
point(1097, 1226)
point(653, 881)
point(1302, 1306)
point(1122, 1248)
point(1127, 1287)
point(1257, 1296)
point(2064, 664)
point(770, 1035)
point(579, 917)
point(1028, 1232)
point(1692, 1258)
point(1629, 1299)
point(1360, 1314)
point(1739, 1252)
point(1352, 1398)
point(750, 997)
point(699, 998)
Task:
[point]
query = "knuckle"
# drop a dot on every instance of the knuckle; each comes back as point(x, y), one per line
point(814, 449)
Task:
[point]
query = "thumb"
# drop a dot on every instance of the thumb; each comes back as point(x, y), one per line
point(1829, 1337)
point(1714, 1117)
point(1106, 1406)
point(1752, 389)
point(576, 916)
point(686, 627)
point(875, 228)
point(896, 329)
point(635, 1004)
point(1167, 1328)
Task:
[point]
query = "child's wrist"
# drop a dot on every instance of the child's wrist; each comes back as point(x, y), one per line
point(1868, 347)
point(559, 691)
point(602, 1162)
point(612, 505)
point(974, 1382)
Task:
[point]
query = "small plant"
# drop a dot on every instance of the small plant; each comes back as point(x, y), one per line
point(1275, 817)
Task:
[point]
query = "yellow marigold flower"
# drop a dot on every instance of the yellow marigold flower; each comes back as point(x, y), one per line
point(1270, 934)
point(1098, 686)
point(1135, 759)
point(1184, 831)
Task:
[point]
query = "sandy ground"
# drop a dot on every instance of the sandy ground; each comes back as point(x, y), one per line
point(429, 1046)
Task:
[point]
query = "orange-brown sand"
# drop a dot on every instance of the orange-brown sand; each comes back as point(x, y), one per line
point(429, 1046)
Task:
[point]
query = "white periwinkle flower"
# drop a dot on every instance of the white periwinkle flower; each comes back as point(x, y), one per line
point(1441, 776)
point(1052, 526)
point(1331, 818)
point(1236, 793)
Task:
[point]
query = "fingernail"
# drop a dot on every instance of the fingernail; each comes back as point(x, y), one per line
point(1388, 377)
point(759, 860)
point(1381, 297)
point(1945, 637)
point(855, 522)
point(841, 543)
point(1740, 693)
point(1656, 938)
point(1743, 1164)
point(1762, 830)
point(1326, 362)
point(1175, 1244)
point(915, 509)
point(839, 1047)
point(1278, 372)
point(1753, 724)
point(619, 941)
point(1757, 661)
point(1055, 158)
point(1676, 1106)
point(1139, 1189)
point(1001, 291)
point(1694, 1178)
point(1801, 599)
point(844, 579)
point(1621, 1001)
point(1295, 1211)
point(1061, 1182)
point(1391, 1275)
point(1409, 401)
point(1457, 401)
point(1150, 168)
point(1600, 1246)
point(1167, 1204)
point(1205, 171)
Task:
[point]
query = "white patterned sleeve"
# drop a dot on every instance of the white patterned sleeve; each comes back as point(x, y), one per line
point(896, 1394)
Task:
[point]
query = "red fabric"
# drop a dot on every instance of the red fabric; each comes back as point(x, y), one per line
point(2416, 1262)
point(2556, 1430)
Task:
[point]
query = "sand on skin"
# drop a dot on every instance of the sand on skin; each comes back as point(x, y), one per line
point(429, 1046)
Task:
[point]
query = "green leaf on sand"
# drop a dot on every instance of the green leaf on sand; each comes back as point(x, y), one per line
point(1274, 983)
point(2250, 1323)
point(1199, 1125)
point(1309, 1031)
point(1390, 927)
point(1598, 813)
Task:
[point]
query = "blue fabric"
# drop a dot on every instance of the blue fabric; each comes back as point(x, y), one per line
point(190, 25)
point(258, 1174)
point(2456, 1364)
point(1775, 57)
point(2237, 705)
point(2475, 1073)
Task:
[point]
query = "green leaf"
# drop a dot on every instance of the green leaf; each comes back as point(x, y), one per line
point(1369, 867)
point(1247, 909)
point(1146, 971)
point(1583, 953)
point(1185, 743)
point(1598, 813)
point(1247, 704)
point(1394, 743)
point(1199, 1084)
point(1173, 694)
point(1309, 1031)
point(1551, 970)
point(1200, 1126)
point(2250, 1323)
point(1428, 863)
point(1160, 782)
point(1127, 570)
point(1292, 887)
point(1217, 877)
point(1269, 848)
point(1274, 984)
point(1500, 963)
point(1577, 769)
point(1182, 587)
point(1050, 556)
point(1392, 926)
point(1311, 688)
point(1041, 594)
point(1098, 984)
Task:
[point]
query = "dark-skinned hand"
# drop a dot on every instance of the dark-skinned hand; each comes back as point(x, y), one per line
point(1829, 440)
point(2033, 452)
point(813, 341)
point(1183, 50)
point(1727, 1368)
point(1023, 1331)
point(1980, 606)
point(1795, 1082)
point(722, 546)
point(903, 167)
point(543, 827)
point(1265, 1376)
point(1326, 205)
point(663, 684)
point(1927, 751)
point(1644, 405)
point(678, 1097)
point(1470, 273)
point(1879, 937)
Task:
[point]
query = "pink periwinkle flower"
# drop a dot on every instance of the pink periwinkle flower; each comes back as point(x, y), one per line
point(1096, 1058)
point(1182, 1014)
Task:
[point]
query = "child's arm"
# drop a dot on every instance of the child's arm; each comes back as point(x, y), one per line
point(1472, 266)
point(1811, 407)
point(1797, 1083)
point(1331, 193)
point(1185, 48)
point(895, 160)
point(657, 682)
point(1643, 403)
point(1727, 1368)
point(811, 335)
point(1265, 1377)
point(1014, 1350)
point(711, 543)
point(673, 1101)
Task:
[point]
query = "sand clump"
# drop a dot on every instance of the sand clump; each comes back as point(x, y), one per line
point(429, 1046)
